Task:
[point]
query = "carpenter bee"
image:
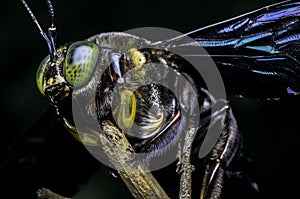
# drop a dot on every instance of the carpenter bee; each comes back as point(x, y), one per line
point(137, 103)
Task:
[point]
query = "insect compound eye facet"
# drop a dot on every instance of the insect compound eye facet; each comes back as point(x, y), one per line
point(80, 62)
point(40, 74)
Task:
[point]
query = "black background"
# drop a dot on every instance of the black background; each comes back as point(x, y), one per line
point(270, 129)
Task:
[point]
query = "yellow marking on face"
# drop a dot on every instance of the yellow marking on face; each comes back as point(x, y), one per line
point(57, 79)
point(50, 81)
point(66, 89)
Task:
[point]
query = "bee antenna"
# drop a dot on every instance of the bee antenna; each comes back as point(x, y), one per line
point(51, 10)
point(52, 29)
point(50, 38)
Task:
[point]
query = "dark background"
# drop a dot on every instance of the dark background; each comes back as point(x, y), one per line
point(270, 129)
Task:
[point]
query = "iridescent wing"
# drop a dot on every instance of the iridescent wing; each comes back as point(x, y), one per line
point(257, 53)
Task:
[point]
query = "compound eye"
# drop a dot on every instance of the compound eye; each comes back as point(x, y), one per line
point(40, 74)
point(80, 62)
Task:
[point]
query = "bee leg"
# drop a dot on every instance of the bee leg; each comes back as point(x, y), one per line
point(221, 156)
point(240, 178)
point(184, 166)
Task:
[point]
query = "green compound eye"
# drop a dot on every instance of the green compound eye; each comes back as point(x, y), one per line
point(80, 62)
point(40, 74)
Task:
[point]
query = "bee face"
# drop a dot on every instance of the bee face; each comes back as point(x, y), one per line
point(96, 70)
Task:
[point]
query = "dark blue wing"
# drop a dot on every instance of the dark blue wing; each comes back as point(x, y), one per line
point(257, 53)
